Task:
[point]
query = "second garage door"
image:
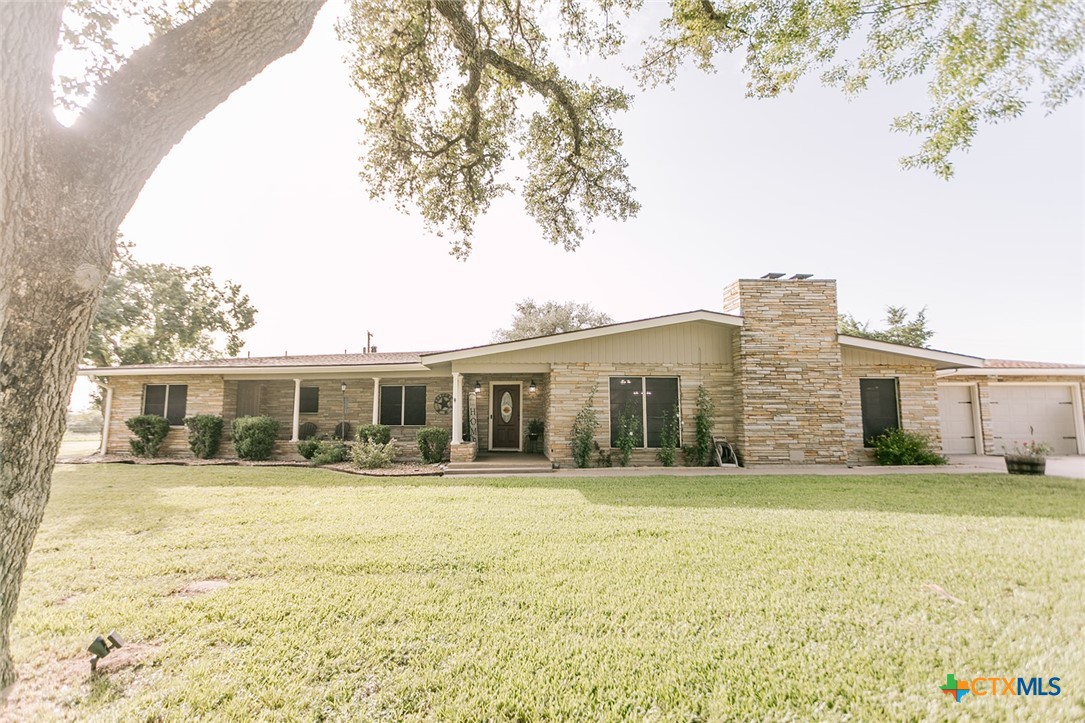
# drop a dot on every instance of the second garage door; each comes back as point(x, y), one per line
point(1020, 413)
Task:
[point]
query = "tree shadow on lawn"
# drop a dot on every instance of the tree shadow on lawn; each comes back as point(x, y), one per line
point(984, 495)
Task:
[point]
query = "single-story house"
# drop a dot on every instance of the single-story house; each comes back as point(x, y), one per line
point(786, 387)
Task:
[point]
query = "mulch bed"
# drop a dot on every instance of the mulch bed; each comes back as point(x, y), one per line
point(404, 469)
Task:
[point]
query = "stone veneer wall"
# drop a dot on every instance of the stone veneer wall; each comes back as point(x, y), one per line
point(205, 396)
point(277, 401)
point(917, 403)
point(570, 385)
point(789, 371)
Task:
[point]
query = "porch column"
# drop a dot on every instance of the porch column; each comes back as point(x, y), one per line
point(457, 408)
point(376, 400)
point(297, 409)
point(107, 412)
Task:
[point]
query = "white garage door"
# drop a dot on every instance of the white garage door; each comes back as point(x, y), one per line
point(955, 416)
point(1022, 413)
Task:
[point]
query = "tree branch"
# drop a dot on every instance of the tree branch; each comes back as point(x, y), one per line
point(466, 40)
point(28, 37)
point(170, 84)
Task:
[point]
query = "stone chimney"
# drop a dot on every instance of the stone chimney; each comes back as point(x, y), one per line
point(788, 372)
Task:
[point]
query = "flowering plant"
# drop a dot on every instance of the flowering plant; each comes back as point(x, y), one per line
point(1033, 450)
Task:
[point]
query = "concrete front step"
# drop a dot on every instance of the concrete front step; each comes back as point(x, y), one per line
point(469, 468)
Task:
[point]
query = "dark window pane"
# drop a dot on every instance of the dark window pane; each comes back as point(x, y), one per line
point(879, 401)
point(414, 409)
point(310, 400)
point(154, 399)
point(178, 401)
point(661, 401)
point(625, 397)
point(391, 406)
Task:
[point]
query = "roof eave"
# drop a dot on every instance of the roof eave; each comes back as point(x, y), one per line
point(249, 370)
point(1015, 372)
point(942, 359)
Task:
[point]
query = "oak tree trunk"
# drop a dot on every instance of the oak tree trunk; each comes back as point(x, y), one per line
point(63, 196)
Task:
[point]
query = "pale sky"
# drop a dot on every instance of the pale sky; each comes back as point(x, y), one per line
point(266, 191)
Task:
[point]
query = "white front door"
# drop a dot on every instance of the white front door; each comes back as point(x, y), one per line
point(1023, 413)
point(955, 416)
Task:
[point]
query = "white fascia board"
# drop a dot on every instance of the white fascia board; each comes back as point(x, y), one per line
point(254, 371)
point(621, 328)
point(1014, 372)
point(940, 357)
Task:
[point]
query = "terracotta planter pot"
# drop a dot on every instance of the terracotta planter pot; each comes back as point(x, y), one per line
point(1025, 465)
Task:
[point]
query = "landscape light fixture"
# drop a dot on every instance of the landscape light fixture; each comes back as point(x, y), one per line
point(478, 387)
point(101, 647)
point(343, 387)
point(531, 387)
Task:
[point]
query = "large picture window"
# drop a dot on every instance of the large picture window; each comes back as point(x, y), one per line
point(880, 413)
point(166, 400)
point(403, 406)
point(649, 401)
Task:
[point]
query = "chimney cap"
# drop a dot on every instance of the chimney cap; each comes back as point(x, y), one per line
point(772, 275)
point(800, 277)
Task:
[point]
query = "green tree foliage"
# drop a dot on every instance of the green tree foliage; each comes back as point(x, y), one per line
point(155, 313)
point(456, 89)
point(899, 328)
point(550, 317)
point(982, 61)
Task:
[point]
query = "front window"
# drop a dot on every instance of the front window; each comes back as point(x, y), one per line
point(403, 406)
point(310, 400)
point(166, 400)
point(646, 402)
point(878, 398)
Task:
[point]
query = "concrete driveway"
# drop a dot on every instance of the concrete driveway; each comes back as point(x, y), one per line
point(1056, 466)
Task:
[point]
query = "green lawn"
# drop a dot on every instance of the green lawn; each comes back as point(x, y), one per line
point(780, 598)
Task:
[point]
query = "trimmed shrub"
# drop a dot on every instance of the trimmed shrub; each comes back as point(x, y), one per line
point(204, 434)
point(896, 446)
point(150, 430)
point(583, 431)
point(372, 455)
point(378, 433)
point(308, 447)
point(254, 437)
point(330, 452)
point(433, 443)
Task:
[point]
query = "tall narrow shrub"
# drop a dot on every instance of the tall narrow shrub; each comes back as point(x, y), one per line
point(668, 438)
point(582, 438)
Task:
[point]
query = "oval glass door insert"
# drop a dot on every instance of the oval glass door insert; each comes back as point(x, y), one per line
point(506, 407)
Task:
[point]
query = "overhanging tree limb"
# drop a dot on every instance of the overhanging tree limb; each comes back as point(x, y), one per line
point(166, 87)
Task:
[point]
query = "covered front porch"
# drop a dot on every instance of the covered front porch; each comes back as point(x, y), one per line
point(493, 411)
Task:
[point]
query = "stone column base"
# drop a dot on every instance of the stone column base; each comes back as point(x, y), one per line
point(465, 452)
